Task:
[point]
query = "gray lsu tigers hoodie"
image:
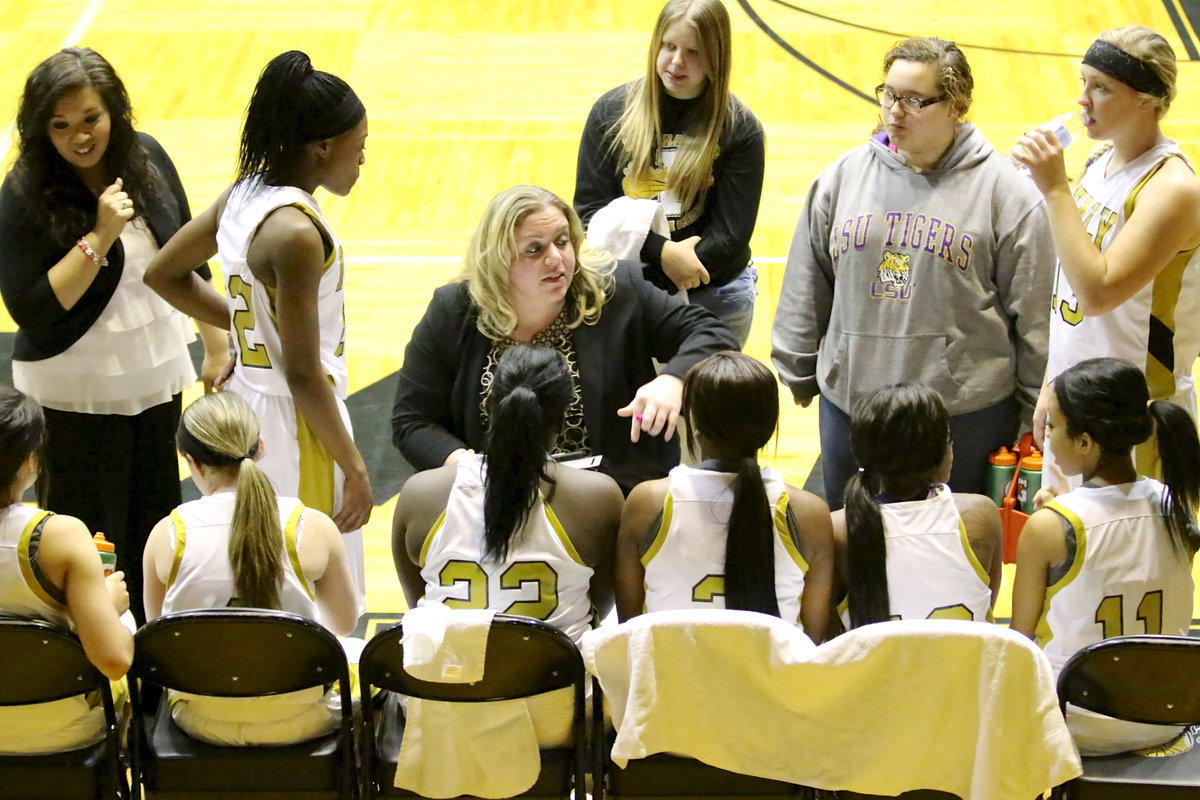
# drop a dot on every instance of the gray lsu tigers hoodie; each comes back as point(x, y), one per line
point(939, 276)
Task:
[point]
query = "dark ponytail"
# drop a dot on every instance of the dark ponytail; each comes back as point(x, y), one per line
point(1108, 399)
point(292, 106)
point(899, 433)
point(732, 400)
point(530, 391)
point(22, 433)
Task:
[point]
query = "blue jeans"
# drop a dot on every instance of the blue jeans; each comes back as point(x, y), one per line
point(975, 436)
point(732, 303)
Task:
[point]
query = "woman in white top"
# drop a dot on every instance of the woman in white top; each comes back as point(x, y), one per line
point(241, 546)
point(727, 533)
point(1114, 556)
point(50, 570)
point(1127, 234)
point(86, 206)
point(912, 548)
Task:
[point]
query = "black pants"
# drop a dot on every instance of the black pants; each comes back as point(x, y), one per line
point(119, 474)
point(975, 435)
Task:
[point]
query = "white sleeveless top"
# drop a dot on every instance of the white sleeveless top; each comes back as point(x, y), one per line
point(685, 563)
point(252, 304)
point(1158, 328)
point(542, 576)
point(932, 571)
point(134, 356)
point(1127, 576)
point(201, 575)
point(61, 725)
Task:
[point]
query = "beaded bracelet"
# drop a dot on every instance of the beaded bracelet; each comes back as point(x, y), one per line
point(97, 259)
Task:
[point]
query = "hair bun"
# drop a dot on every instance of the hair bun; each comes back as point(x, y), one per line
point(290, 67)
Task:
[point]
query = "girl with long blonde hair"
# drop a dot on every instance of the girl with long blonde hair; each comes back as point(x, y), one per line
point(678, 135)
point(242, 546)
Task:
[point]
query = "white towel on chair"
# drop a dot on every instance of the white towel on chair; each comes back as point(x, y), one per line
point(485, 749)
point(962, 707)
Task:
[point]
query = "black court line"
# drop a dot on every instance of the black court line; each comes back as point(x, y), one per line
point(899, 35)
point(808, 62)
point(1191, 8)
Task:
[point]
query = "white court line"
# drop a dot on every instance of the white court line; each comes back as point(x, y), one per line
point(73, 36)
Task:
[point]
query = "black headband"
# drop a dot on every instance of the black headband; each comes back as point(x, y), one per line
point(203, 453)
point(1129, 70)
point(348, 113)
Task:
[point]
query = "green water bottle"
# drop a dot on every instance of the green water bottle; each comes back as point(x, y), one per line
point(1029, 480)
point(1002, 465)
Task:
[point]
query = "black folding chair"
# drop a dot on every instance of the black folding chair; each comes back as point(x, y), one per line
point(1152, 679)
point(44, 662)
point(236, 653)
point(525, 657)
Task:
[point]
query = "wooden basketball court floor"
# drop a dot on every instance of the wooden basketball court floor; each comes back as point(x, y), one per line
point(467, 97)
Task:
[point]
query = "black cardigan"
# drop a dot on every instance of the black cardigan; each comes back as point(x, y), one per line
point(27, 253)
point(437, 396)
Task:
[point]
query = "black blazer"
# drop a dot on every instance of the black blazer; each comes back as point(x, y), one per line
point(437, 396)
point(27, 253)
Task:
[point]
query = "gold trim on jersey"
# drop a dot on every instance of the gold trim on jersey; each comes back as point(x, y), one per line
point(180, 538)
point(326, 236)
point(562, 534)
point(660, 537)
point(971, 557)
point(437, 526)
point(293, 550)
point(1043, 632)
point(28, 571)
point(785, 534)
point(316, 488)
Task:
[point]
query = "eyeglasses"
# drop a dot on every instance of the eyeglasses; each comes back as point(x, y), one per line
point(912, 105)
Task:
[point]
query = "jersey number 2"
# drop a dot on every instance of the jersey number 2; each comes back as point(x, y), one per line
point(243, 320)
point(517, 576)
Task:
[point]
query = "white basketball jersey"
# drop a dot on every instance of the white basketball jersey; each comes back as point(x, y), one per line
point(685, 563)
point(201, 575)
point(542, 576)
point(932, 571)
point(1127, 576)
point(1158, 328)
point(24, 591)
point(253, 316)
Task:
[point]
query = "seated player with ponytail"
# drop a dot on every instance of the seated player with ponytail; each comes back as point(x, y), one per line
point(913, 549)
point(239, 546)
point(1113, 557)
point(727, 533)
point(461, 532)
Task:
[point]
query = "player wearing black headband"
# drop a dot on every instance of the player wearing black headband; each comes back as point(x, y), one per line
point(285, 274)
point(1127, 234)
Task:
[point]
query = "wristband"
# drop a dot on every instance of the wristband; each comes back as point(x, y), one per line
point(97, 259)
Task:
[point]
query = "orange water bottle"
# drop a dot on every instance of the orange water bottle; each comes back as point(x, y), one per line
point(1029, 480)
point(108, 552)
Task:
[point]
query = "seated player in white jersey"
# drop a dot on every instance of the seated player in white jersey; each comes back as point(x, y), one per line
point(50, 570)
point(242, 546)
point(727, 533)
point(1127, 234)
point(462, 532)
point(285, 276)
point(910, 547)
point(1113, 557)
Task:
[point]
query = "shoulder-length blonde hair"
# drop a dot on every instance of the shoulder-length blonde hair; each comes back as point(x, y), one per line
point(493, 248)
point(220, 431)
point(636, 134)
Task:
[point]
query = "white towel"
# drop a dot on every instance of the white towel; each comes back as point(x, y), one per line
point(621, 226)
point(450, 749)
point(962, 707)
